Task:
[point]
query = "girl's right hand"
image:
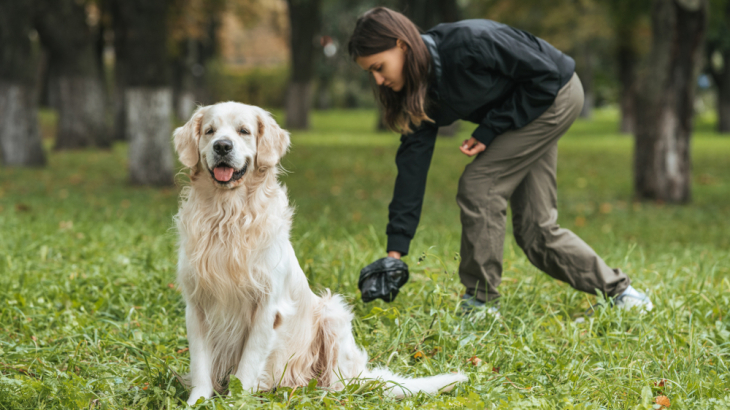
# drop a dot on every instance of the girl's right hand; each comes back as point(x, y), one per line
point(394, 254)
point(472, 147)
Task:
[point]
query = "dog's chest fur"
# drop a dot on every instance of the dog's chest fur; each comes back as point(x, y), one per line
point(230, 242)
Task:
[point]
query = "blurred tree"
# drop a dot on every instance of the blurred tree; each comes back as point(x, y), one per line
point(193, 44)
point(577, 27)
point(718, 53)
point(630, 20)
point(75, 79)
point(339, 80)
point(20, 141)
point(304, 20)
point(119, 44)
point(142, 25)
point(665, 102)
point(428, 13)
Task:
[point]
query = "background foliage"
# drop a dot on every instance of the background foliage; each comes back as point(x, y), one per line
point(90, 316)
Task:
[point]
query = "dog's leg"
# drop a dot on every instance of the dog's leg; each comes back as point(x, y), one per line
point(200, 356)
point(259, 345)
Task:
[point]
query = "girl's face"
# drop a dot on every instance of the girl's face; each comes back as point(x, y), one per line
point(386, 66)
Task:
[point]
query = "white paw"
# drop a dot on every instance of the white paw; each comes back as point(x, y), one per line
point(199, 393)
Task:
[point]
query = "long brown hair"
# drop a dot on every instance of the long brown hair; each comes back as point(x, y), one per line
point(378, 30)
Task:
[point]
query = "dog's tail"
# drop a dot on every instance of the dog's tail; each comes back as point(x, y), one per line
point(401, 387)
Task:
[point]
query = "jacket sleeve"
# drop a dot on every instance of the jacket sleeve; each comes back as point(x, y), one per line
point(413, 161)
point(516, 55)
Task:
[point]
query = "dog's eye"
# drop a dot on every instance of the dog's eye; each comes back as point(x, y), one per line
point(243, 131)
point(210, 131)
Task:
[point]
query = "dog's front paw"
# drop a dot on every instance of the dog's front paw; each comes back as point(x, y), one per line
point(197, 394)
point(248, 383)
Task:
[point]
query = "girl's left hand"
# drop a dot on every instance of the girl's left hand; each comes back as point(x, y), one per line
point(472, 147)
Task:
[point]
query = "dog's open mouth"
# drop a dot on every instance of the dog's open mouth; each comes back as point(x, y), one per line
point(224, 173)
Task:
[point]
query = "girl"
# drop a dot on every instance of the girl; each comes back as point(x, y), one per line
point(524, 94)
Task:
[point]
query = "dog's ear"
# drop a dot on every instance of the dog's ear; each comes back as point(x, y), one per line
point(272, 142)
point(186, 139)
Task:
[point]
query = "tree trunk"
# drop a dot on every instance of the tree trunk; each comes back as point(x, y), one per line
point(586, 78)
point(75, 82)
point(380, 122)
point(149, 130)
point(298, 103)
point(304, 18)
point(627, 77)
point(119, 132)
point(20, 141)
point(189, 69)
point(626, 18)
point(182, 79)
point(81, 113)
point(148, 95)
point(665, 102)
point(722, 80)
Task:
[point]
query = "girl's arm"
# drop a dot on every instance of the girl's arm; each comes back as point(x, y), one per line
point(413, 160)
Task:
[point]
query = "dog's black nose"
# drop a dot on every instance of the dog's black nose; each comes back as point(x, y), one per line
point(222, 147)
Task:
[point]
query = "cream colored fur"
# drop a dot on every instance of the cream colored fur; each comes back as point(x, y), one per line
point(250, 311)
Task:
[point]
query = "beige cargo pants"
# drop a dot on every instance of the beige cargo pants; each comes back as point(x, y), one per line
point(520, 166)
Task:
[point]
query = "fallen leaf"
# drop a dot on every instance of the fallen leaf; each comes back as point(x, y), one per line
point(474, 361)
point(183, 350)
point(663, 401)
point(418, 355)
point(20, 207)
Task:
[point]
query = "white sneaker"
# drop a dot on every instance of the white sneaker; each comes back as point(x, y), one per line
point(632, 298)
point(470, 305)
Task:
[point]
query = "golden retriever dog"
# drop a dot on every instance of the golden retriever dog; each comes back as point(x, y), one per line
point(250, 311)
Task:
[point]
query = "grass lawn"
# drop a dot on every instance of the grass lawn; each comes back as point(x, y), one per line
point(90, 316)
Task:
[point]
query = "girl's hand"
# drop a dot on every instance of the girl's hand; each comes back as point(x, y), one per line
point(472, 147)
point(394, 254)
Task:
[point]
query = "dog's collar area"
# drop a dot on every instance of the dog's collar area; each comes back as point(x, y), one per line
point(236, 174)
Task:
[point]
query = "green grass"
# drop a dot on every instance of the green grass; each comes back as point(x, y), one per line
point(90, 316)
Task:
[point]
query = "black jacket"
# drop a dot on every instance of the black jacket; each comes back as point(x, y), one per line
point(484, 72)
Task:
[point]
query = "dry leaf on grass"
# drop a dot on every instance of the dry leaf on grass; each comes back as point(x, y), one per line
point(663, 401)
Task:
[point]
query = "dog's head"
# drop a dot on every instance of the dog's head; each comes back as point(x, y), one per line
point(227, 140)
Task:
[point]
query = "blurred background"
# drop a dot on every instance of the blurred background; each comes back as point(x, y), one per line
point(91, 90)
point(100, 71)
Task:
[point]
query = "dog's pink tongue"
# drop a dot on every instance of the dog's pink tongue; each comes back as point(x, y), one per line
point(223, 174)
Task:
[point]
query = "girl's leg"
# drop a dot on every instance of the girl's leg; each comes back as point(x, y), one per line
point(554, 250)
point(488, 182)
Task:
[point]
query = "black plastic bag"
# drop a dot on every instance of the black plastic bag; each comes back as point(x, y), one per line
point(382, 279)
